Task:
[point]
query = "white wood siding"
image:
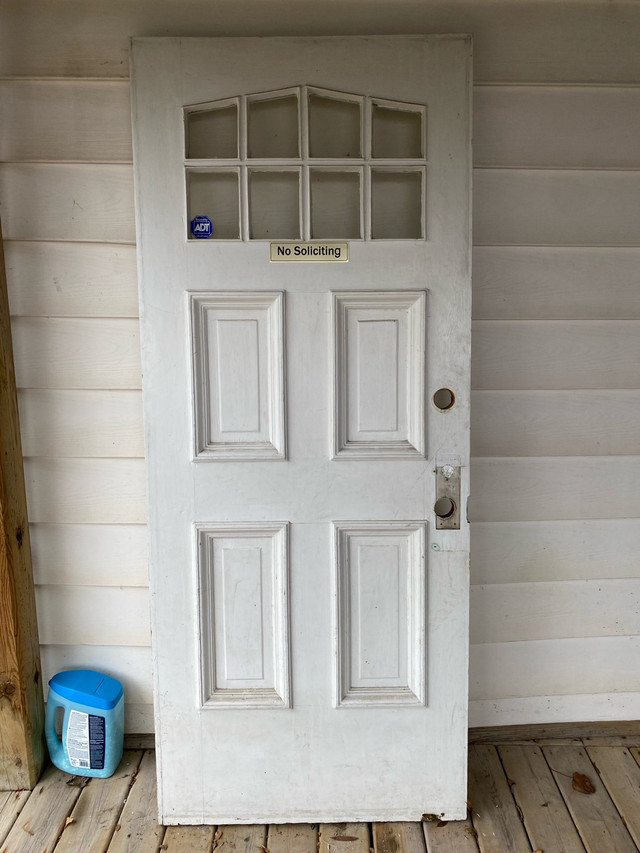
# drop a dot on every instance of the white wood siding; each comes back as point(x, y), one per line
point(556, 401)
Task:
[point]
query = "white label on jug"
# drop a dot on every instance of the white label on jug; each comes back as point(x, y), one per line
point(78, 739)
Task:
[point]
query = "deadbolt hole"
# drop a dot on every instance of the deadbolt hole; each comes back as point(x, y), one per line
point(444, 399)
point(444, 507)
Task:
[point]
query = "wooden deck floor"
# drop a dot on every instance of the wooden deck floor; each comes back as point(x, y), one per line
point(522, 797)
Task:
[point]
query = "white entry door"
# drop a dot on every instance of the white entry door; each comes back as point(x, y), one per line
point(303, 223)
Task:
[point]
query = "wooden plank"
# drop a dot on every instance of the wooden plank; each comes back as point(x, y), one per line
point(556, 283)
point(86, 491)
point(22, 750)
point(503, 613)
point(456, 836)
point(75, 120)
point(343, 838)
point(90, 554)
point(561, 126)
point(292, 838)
point(556, 207)
point(250, 838)
point(13, 803)
point(77, 353)
point(95, 814)
point(85, 615)
point(131, 665)
point(618, 739)
point(493, 811)
point(519, 44)
point(43, 817)
point(599, 824)
point(547, 821)
point(547, 668)
point(553, 731)
point(621, 776)
point(72, 279)
point(188, 839)
point(398, 837)
point(527, 551)
point(79, 202)
point(137, 830)
point(554, 488)
point(81, 423)
point(554, 423)
point(559, 354)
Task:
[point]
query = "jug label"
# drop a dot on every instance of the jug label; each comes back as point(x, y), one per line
point(86, 736)
point(78, 739)
point(96, 741)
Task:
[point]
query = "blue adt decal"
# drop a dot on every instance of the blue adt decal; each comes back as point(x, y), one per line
point(201, 227)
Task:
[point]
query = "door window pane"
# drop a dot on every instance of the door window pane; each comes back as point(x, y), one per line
point(213, 133)
point(396, 133)
point(273, 127)
point(215, 194)
point(274, 205)
point(335, 205)
point(396, 205)
point(334, 127)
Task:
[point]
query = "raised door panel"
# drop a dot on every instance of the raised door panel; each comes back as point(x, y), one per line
point(238, 375)
point(380, 613)
point(244, 623)
point(379, 374)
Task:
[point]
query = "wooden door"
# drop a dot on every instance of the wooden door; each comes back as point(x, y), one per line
point(303, 221)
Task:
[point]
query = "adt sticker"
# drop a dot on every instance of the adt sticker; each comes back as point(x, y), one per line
point(201, 227)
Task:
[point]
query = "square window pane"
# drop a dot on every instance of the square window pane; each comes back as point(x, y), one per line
point(335, 205)
point(396, 133)
point(273, 127)
point(274, 205)
point(396, 205)
point(334, 127)
point(215, 194)
point(213, 133)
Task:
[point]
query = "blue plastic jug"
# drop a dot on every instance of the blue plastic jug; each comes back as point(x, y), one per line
point(92, 725)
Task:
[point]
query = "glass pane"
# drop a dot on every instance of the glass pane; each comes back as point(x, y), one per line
point(273, 127)
point(396, 133)
point(335, 205)
point(213, 133)
point(396, 205)
point(215, 194)
point(334, 128)
point(274, 205)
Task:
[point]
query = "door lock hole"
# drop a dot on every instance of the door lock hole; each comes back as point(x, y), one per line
point(444, 399)
point(444, 507)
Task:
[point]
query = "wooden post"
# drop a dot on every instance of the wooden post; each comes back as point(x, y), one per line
point(22, 749)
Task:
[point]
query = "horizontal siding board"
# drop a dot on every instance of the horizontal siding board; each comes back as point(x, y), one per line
point(555, 423)
point(90, 554)
point(555, 488)
point(86, 491)
point(56, 201)
point(91, 615)
point(556, 126)
point(71, 279)
point(554, 667)
point(65, 120)
point(529, 551)
point(555, 354)
point(531, 42)
point(81, 423)
point(139, 718)
point(556, 283)
point(579, 707)
point(516, 612)
point(556, 207)
point(129, 664)
point(77, 353)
